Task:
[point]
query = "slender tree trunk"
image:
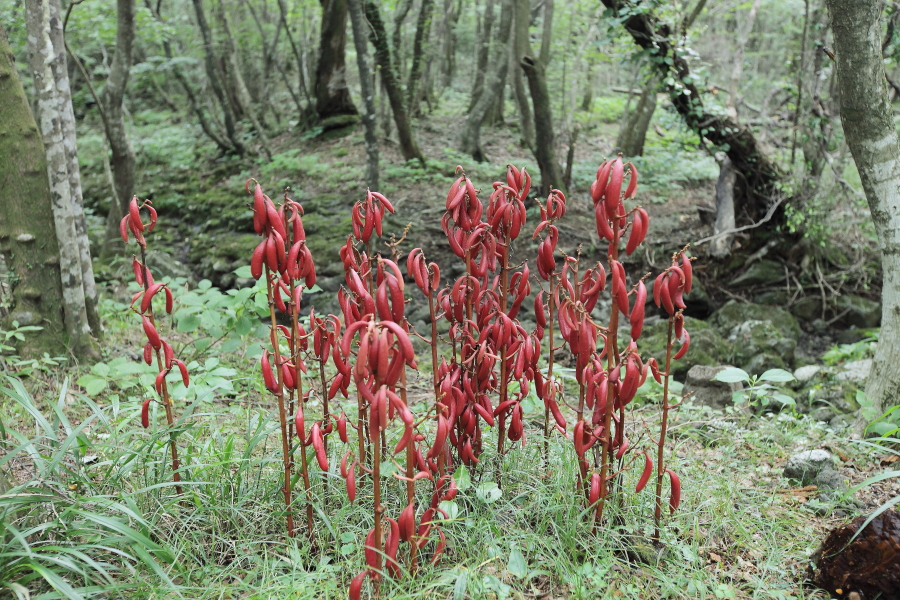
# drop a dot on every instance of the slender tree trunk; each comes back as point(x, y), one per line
point(588, 97)
point(522, 48)
point(332, 93)
point(720, 247)
point(872, 137)
point(737, 69)
point(547, 33)
point(400, 13)
point(632, 135)
point(423, 24)
point(451, 18)
point(212, 74)
point(243, 95)
point(760, 174)
point(298, 56)
point(367, 86)
point(470, 141)
point(112, 96)
point(545, 142)
point(378, 36)
point(27, 234)
point(42, 53)
point(67, 124)
point(482, 51)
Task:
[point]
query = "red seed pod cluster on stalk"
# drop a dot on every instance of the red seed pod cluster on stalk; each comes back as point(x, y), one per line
point(284, 261)
point(156, 347)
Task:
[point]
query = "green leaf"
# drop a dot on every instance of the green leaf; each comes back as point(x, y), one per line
point(243, 271)
point(785, 400)
point(100, 369)
point(188, 324)
point(462, 479)
point(517, 565)
point(92, 384)
point(776, 375)
point(732, 375)
point(450, 507)
point(883, 428)
point(488, 492)
point(459, 588)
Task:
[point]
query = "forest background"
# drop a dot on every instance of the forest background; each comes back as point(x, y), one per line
point(180, 102)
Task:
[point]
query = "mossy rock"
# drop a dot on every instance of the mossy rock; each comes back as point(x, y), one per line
point(807, 309)
point(761, 345)
point(734, 313)
point(215, 256)
point(858, 312)
point(763, 272)
point(707, 346)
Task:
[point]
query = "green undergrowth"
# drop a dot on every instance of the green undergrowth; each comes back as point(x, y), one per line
point(93, 504)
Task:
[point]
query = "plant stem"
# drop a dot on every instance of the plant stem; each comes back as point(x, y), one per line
point(660, 465)
point(298, 377)
point(504, 384)
point(550, 385)
point(285, 442)
point(167, 401)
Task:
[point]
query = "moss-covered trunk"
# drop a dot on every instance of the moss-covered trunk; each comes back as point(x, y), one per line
point(332, 94)
point(27, 235)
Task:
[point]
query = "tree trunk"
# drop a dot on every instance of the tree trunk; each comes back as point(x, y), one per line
point(27, 236)
point(760, 174)
point(332, 94)
point(400, 13)
point(378, 36)
point(67, 124)
point(423, 24)
point(65, 251)
point(448, 64)
point(243, 95)
point(521, 48)
point(367, 86)
point(482, 51)
point(298, 56)
point(720, 247)
point(737, 69)
point(872, 137)
point(631, 137)
point(547, 33)
point(470, 141)
point(213, 75)
point(545, 142)
point(123, 159)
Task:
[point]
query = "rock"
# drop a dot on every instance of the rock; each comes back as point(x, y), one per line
point(858, 370)
point(733, 313)
point(707, 391)
point(868, 567)
point(164, 266)
point(330, 284)
point(806, 466)
point(762, 272)
point(242, 282)
point(861, 312)
point(808, 373)
point(420, 313)
point(760, 346)
point(707, 346)
point(840, 422)
point(772, 298)
point(807, 308)
point(699, 305)
point(850, 336)
point(824, 414)
point(829, 479)
point(332, 269)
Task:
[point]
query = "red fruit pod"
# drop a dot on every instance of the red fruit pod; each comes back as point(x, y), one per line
point(148, 353)
point(357, 583)
point(123, 229)
point(185, 377)
point(299, 425)
point(594, 495)
point(160, 381)
point(134, 214)
point(664, 296)
point(351, 483)
point(153, 217)
point(268, 377)
point(371, 552)
point(557, 415)
point(256, 261)
point(645, 474)
point(675, 483)
point(342, 426)
point(287, 376)
point(613, 190)
point(169, 300)
point(688, 270)
point(622, 449)
point(636, 235)
point(678, 325)
point(631, 190)
point(145, 413)
point(138, 269)
point(603, 228)
point(407, 523)
point(151, 333)
point(685, 344)
point(148, 296)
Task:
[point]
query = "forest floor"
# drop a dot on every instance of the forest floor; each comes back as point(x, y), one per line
point(742, 530)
